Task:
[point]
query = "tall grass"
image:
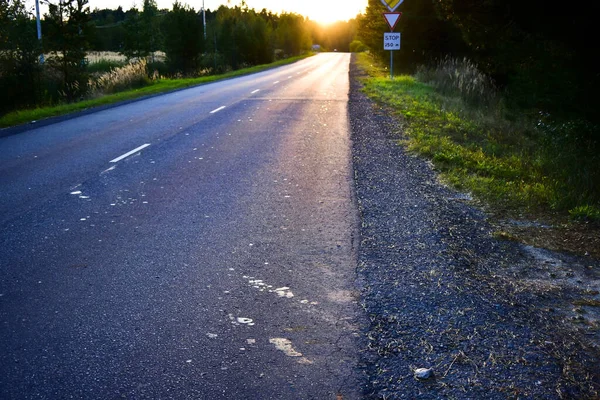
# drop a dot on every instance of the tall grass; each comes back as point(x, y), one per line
point(454, 76)
point(130, 76)
point(104, 65)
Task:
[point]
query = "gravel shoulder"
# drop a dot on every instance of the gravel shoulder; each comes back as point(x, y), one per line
point(441, 292)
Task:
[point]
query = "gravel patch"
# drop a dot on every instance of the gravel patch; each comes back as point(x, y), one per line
point(446, 321)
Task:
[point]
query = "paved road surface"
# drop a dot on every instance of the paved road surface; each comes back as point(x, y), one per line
point(196, 245)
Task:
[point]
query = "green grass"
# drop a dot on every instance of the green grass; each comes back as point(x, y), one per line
point(160, 86)
point(476, 149)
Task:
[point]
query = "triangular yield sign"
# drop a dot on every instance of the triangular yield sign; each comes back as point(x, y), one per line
point(392, 19)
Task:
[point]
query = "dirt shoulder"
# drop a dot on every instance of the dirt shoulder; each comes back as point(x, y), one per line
point(442, 291)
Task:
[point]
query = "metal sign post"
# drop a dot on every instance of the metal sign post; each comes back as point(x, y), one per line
point(391, 40)
point(39, 29)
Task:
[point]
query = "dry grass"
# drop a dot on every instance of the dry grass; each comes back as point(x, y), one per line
point(100, 56)
point(132, 75)
point(461, 76)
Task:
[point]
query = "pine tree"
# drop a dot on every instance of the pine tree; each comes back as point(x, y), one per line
point(68, 30)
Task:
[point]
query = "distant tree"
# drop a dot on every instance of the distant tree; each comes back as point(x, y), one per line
point(109, 32)
point(292, 34)
point(183, 39)
point(227, 19)
point(152, 36)
point(244, 36)
point(67, 38)
point(142, 31)
point(19, 55)
point(132, 39)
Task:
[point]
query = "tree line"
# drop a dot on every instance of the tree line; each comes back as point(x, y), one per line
point(232, 37)
point(541, 56)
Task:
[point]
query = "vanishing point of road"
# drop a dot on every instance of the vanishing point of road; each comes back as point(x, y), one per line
point(193, 245)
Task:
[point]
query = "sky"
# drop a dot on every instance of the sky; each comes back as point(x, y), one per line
point(324, 11)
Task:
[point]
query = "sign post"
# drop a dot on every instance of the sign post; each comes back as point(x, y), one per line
point(391, 40)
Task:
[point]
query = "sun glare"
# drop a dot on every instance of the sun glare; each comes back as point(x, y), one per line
point(328, 12)
point(322, 11)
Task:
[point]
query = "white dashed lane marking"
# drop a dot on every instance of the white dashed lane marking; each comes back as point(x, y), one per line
point(130, 153)
point(217, 110)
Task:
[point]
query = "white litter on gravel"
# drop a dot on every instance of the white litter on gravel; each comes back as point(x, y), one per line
point(285, 345)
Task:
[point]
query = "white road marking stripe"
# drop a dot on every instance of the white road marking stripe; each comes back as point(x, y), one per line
point(256, 91)
point(217, 110)
point(130, 153)
point(108, 170)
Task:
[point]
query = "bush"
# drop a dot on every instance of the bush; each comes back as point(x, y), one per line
point(585, 213)
point(356, 46)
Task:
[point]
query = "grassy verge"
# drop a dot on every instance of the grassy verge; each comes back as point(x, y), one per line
point(476, 147)
point(160, 86)
point(502, 159)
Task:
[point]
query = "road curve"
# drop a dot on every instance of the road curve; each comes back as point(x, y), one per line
point(195, 245)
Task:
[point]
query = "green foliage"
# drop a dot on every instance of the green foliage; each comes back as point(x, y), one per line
point(571, 157)
point(183, 39)
point(357, 46)
point(143, 35)
point(244, 37)
point(20, 72)
point(292, 35)
point(585, 213)
point(525, 165)
point(67, 35)
point(108, 33)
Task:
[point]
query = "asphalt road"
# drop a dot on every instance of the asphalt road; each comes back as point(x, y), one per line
point(195, 245)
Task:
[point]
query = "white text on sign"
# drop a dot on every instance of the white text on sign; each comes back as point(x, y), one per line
point(391, 41)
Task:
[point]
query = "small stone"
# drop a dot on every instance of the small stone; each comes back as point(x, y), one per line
point(423, 373)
